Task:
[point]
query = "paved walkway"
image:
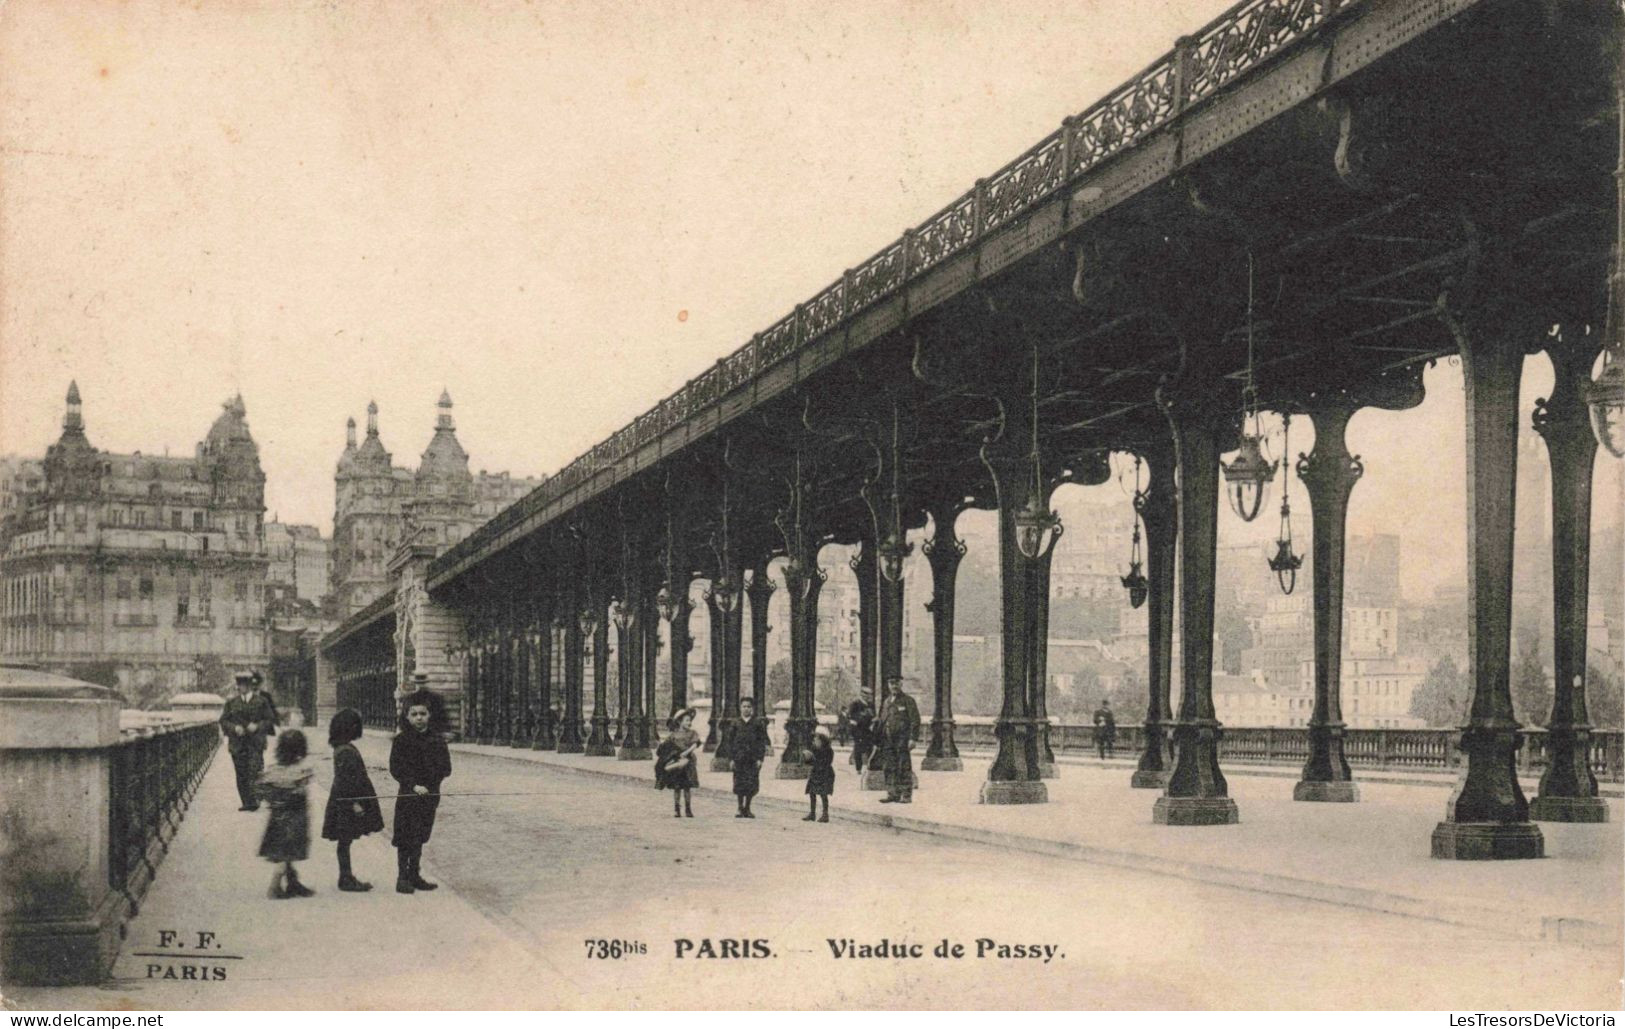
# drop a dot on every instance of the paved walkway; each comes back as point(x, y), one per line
point(535, 858)
point(1372, 855)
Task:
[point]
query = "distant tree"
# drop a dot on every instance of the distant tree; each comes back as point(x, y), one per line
point(1082, 618)
point(212, 674)
point(778, 682)
point(1531, 689)
point(836, 690)
point(1130, 696)
point(1604, 701)
point(1441, 700)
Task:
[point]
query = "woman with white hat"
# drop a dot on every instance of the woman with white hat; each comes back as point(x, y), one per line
point(821, 782)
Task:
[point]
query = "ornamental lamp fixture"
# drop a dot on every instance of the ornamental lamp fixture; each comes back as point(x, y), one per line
point(1037, 528)
point(1135, 581)
point(666, 603)
point(1605, 395)
point(892, 552)
point(1248, 477)
point(1285, 563)
point(587, 622)
point(621, 614)
point(1137, 586)
point(724, 594)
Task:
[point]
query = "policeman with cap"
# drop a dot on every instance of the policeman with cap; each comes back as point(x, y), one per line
point(247, 720)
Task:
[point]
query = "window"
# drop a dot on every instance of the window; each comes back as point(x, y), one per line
point(197, 519)
point(175, 519)
point(146, 587)
point(182, 603)
point(240, 589)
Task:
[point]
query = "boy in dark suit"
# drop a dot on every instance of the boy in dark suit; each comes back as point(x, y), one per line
point(749, 748)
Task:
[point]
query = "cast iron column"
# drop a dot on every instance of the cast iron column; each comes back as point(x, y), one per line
point(1568, 788)
point(1329, 474)
point(1014, 777)
point(599, 744)
point(524, 722)
point(1196, 793)
point(651, 671)
point(867, 573)
point(760, 592)
point(713, 639)
point(1158, 512)
point(488, 688)
point(634, 726)
point(547, 728)
point(943, 550)
point(570, 741)
point(803, 587)
point(681, 643)
point(1487, 816)
point(1038, 663)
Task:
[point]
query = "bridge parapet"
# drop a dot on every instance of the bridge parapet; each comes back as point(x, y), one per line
point(88, 812)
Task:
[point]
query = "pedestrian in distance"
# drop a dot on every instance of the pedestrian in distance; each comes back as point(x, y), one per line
point(287, 833)
point(1105, 729)
point(420, 761)
point(675, 765)
point(246, 721)
point(861, 718)
point(352, 804)
point(821, 781)
point(749, 749)
point(899, 723)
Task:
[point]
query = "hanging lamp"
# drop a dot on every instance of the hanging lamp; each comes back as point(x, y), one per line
point(1135, 581)
point(1248, 477)
point(1285, 563)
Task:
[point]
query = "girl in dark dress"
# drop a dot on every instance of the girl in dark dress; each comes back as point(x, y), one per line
point(821, 783)
point(352, 804)
point(419, 761)
point(675, 766)
point(287, 834)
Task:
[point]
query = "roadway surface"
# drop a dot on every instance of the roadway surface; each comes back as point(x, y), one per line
point(530, 877)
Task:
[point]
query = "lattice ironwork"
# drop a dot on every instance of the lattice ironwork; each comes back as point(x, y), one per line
point(1024, 181)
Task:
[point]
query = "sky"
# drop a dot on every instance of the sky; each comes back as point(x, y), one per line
point(557, 211)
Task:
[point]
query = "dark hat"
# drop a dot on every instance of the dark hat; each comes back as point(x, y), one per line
point(256, 677)
point(244, 678)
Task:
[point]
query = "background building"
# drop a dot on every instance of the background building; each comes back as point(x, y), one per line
point(139, 572)
point(378, 506)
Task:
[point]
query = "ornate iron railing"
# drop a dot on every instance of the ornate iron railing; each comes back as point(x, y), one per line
point(1239, 41)
point(1365, 748)
point(153, 772)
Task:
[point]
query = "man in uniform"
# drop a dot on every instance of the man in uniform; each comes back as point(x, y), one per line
point(900, 724)
point(246, 721)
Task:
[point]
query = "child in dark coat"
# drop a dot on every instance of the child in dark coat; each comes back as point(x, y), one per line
point(419, 761)
point(748, 749)
point(287, 834)
point(821, 783)
point(675, 766)
point(352, 805)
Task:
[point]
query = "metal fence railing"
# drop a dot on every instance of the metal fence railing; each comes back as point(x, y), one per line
point(154, 772)
point(1364, 748)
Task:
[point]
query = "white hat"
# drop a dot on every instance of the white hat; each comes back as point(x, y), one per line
point(822, 731)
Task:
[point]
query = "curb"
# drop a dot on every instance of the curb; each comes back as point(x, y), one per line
point(1501, 921)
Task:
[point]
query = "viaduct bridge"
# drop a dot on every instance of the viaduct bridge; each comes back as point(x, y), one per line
point(1297, 210)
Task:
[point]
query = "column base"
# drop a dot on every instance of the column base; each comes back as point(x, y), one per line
point(788, 770)
point(941, 764)
point(1048, 770)
point(1012, 791)
point(722, 764)
point(1148, 780)
point(1344, 792)
point(64, 952)
point(1195, 811)
point(604, 749)
point(571, 747)
point(634, 754)
point(1488, 841)
point(543, 743)
point(1568, 809)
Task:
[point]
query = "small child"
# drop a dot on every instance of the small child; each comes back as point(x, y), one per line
point(419, 760)
point(674, 762)
point(821, 783)
point(352, 804)
point(287, 834)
